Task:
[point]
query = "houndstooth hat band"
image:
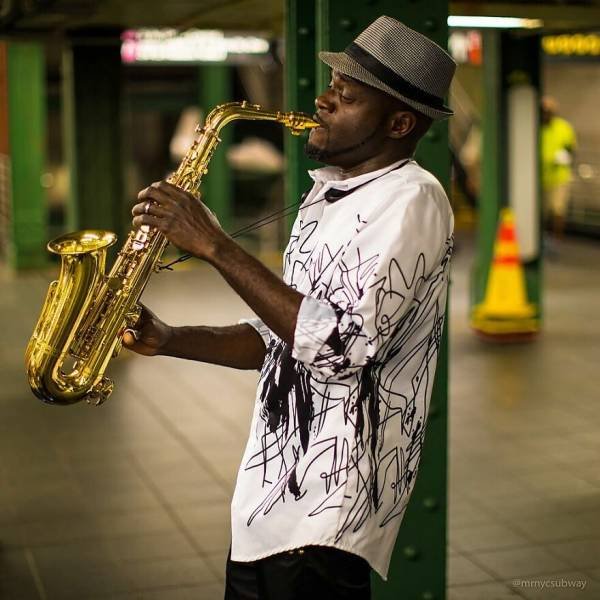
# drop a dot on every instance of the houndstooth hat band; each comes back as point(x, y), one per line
point(400, 61)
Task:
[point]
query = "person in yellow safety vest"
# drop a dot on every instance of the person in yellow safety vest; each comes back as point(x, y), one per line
point(558, 143)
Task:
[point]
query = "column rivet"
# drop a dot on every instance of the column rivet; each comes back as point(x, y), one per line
point(433, 136)
point(430, 24)
point(430, 503)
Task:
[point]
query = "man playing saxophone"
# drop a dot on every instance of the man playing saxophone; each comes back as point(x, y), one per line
point(346, 342)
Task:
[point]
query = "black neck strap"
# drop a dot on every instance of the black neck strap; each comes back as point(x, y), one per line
point(392, 79)
point(333, 194)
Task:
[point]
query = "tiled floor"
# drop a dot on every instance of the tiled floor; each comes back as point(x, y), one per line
point(130, 500)
point(525, 446)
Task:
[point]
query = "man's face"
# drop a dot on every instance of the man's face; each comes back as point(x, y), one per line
point(354, 119)
point(548, 109)
point(546, 115)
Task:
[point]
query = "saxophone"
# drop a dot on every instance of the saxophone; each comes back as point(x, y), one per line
point(86, 312)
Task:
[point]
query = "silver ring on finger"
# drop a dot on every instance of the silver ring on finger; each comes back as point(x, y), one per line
point(147, 207)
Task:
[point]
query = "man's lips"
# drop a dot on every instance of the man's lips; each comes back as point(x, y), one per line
point(319, 121)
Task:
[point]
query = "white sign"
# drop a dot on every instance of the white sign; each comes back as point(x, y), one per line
point(193, 46)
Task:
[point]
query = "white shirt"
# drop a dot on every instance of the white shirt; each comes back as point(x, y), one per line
point(338, 424)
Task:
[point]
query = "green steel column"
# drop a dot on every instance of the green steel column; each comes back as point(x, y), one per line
point(217, 188)
point(92, 133)
point(509, 60)
point(300, 92)
point(5, 191)
point(493, 186)
point(24, 153)
point(418, 567)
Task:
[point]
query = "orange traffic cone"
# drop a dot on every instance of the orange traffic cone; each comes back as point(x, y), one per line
point(505, 312)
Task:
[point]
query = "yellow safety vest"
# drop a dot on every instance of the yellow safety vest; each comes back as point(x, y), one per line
point(556, 136)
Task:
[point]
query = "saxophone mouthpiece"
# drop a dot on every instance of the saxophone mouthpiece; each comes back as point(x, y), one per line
point(298, 122)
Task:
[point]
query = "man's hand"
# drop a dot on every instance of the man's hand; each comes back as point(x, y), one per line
point(150, 335)
point(237, 346)
point(188, 224)
point(184, 220)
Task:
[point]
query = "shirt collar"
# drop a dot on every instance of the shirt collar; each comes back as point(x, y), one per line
point(333, 176)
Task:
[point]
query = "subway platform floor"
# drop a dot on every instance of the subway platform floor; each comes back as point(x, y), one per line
point(130, 500)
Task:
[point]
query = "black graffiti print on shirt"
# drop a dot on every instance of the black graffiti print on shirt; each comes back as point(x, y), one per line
point(372, 469)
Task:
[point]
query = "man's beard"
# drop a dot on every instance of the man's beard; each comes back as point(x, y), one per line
point(324, 155)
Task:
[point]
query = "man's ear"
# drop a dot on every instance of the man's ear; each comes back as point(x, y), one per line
point(402, 123)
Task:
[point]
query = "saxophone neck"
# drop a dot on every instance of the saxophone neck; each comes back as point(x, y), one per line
point(296, 122)
point(195, 164)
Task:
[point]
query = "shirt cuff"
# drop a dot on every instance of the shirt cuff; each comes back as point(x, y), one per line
point(316, 322)
point(261, 329)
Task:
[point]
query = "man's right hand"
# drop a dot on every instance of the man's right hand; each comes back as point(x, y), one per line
point(238, 346)
point(150, 335)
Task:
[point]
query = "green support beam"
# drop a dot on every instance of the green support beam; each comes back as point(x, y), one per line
point(5, 191)
point(418, 567)
point(509, 60)
point(24, 152)
point(217, 189)
point(493, 184)
point(92, 133)
point(300, 92)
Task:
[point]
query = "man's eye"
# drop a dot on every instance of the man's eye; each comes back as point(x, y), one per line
point(340, 92)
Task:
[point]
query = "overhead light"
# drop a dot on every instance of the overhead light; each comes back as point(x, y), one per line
point(494, 22)
point(191, 46)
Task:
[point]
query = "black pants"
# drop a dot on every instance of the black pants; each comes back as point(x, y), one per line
point(310, 573)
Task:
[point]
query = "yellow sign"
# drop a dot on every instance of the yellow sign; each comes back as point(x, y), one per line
point(577, 44)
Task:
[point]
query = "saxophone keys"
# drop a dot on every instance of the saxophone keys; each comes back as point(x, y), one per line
point(114, 284)
point(141, 237)
point(100, 392)
point(118, 347)
point(133, 316)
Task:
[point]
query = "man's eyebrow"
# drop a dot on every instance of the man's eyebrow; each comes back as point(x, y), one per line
point(345, 78)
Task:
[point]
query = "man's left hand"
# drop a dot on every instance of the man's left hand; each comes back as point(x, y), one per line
point(184, 220)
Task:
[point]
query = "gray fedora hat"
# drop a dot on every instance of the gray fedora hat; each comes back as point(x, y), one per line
point(400, 61)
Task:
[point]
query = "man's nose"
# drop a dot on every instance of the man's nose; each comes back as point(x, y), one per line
point(325, 101)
